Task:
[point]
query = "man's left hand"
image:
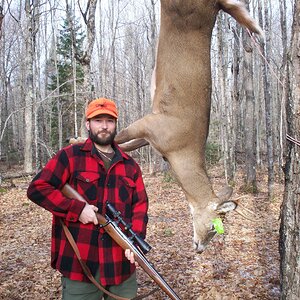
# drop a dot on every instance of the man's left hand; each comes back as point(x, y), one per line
point(130, 257)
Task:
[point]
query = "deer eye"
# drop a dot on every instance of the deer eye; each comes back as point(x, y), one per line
point(211, 228)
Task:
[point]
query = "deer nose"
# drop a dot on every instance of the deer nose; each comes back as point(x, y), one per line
point(199, 247)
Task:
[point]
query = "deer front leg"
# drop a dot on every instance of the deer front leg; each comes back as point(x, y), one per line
point(133, 144)
point(155, 129)
point(137, 130)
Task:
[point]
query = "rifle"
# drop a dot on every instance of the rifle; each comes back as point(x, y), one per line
point(110, 225)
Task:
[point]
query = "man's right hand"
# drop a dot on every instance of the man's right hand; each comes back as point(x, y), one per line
point(88, 214)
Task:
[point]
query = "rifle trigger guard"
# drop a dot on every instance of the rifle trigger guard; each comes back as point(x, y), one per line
point(104, 225)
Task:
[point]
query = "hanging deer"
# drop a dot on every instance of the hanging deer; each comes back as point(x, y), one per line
point(181, 94)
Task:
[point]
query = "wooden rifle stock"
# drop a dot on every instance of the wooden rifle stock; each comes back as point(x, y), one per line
point(123, 241)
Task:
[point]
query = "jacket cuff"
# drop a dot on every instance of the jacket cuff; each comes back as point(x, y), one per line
point(75, 210)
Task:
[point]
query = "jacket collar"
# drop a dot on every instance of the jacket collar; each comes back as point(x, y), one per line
point(88, 146)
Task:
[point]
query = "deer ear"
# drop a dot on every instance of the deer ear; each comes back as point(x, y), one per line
point(226, 206)
point(225, 193)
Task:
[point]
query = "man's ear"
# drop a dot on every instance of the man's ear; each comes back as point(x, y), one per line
point(87, 124)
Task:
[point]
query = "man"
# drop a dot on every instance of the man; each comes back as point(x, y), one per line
point(100, 171)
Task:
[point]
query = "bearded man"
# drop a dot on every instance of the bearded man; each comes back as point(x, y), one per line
point(101, 172)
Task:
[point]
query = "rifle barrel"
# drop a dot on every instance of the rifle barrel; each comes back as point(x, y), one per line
point(116, 233)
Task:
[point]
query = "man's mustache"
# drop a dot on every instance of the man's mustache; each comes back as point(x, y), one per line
point(104, 131)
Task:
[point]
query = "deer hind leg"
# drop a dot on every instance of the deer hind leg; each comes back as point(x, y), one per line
point(239, 12)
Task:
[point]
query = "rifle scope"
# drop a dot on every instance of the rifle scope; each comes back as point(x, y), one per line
point(143, 245)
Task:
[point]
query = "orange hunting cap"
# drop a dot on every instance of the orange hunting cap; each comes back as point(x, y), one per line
point(101, 106)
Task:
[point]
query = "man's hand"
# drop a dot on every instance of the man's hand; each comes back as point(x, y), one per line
point(88, 214)
point(130, 257)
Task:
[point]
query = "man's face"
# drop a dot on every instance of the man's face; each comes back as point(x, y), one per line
point(102, 129)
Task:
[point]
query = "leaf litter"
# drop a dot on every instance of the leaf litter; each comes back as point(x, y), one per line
point(242, 263)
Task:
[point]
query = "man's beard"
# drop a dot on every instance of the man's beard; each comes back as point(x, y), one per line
point(108, 140)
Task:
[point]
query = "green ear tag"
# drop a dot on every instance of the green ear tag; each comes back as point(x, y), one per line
point(218, 225)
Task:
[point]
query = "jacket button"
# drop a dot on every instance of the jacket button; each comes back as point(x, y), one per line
point(87, 180)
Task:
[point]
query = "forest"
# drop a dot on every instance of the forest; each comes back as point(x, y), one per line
point(56, 56)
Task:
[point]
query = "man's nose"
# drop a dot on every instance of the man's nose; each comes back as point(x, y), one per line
point(104, 124)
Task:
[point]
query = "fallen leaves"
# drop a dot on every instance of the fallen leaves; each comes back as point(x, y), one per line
point(242, 263)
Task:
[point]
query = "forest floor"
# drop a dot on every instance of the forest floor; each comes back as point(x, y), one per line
point(243, 263)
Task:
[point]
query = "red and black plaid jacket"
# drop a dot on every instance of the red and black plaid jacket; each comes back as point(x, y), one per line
point(122, 185)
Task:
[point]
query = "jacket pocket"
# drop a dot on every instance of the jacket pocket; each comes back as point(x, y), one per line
point(87, 183)
point(126, 189)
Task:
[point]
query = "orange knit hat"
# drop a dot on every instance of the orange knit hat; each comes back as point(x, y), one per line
point(101, 106)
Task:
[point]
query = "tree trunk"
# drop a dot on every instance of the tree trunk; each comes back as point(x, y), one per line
point(89, 20)
point(236, 97)
point(238, 126)
point(115, 11)
point(59, 123)
point(267, 95)
point(74, 75)
point(290, 213)
point(250, 159)
point(1, 19)
point(29, 96)
point(226, 105)
point(282, 82)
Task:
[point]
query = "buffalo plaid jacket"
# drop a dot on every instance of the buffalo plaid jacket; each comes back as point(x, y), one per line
point(122, 185)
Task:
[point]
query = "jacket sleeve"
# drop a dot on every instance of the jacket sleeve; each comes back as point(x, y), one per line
point(140, 206)
point(44, 190)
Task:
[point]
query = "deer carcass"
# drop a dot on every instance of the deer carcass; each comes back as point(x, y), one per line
point(181, 95)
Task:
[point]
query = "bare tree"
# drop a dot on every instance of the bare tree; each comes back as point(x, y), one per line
point(3, 89)
point(282, 80)
point(30, 32)
point(264, 20)
point(290, 213)
point(89, 19)
point(248, 87)
point(236, 96)
point(223, 85)
point(1, 18)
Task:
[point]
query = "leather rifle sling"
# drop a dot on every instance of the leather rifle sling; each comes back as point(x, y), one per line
point(88, 273)
point(85, 268)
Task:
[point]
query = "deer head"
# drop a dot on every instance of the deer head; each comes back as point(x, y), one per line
point(181, 94)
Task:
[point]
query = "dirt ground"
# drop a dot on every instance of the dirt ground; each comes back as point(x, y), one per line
point(243, 263)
